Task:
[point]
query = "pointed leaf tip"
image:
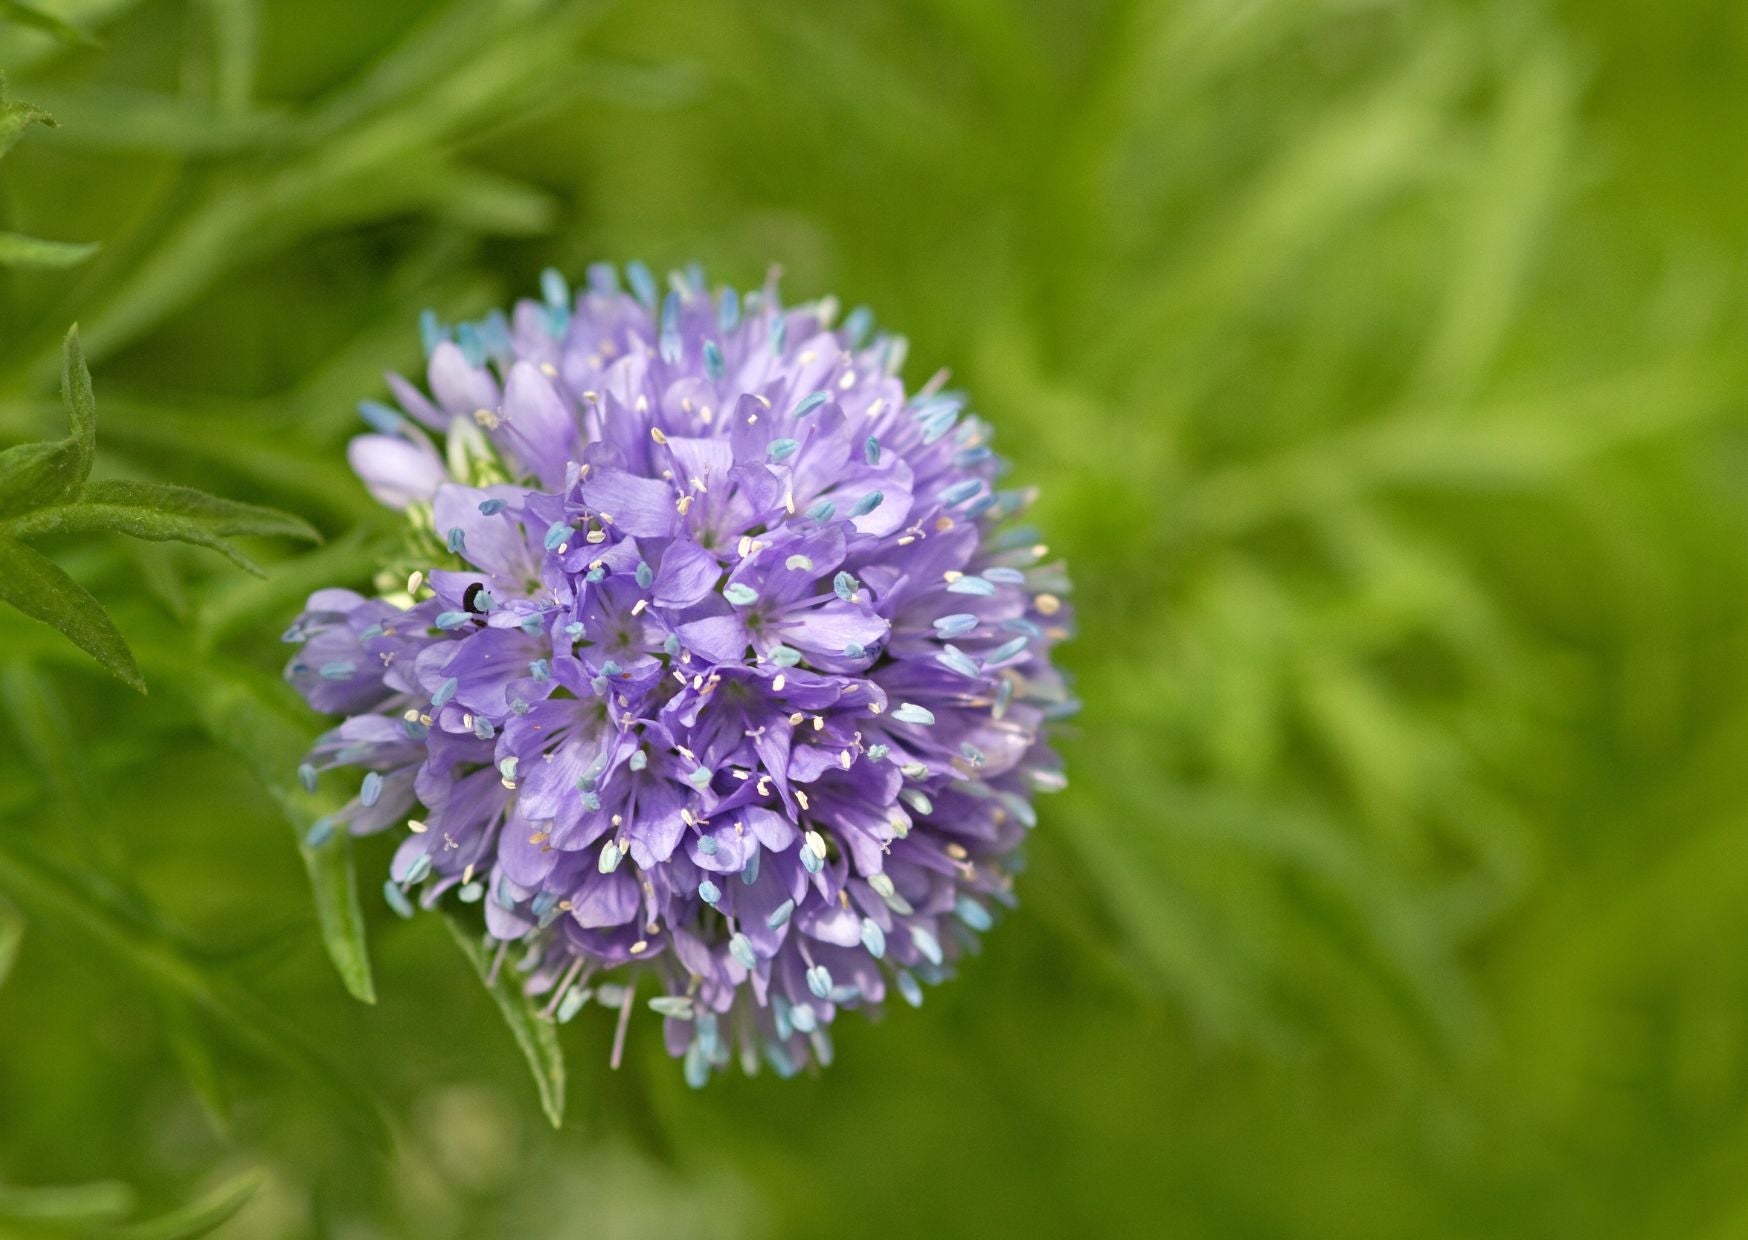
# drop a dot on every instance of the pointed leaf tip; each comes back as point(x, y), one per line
point(35, 585)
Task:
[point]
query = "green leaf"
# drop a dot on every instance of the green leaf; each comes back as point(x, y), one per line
point(18, 250)
point(81, 400)
point(537, 1036)
point(226, 517)
point(34, 585)
point(334, 885)
point(11, 939)
point(199, 1217)
point(30, 15)
point(162, 513)
point(14, 117)
point(36, 474)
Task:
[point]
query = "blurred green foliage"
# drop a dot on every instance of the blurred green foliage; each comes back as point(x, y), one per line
point(1382, 367)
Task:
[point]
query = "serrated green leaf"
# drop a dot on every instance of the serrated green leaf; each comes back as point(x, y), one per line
point(199, 1217)
point(38, 253)
point(33, 584)
point(536, 1036)
point(30, 15)
point(162, 513)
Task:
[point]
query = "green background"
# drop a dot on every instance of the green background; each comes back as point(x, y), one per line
point(1382, 367)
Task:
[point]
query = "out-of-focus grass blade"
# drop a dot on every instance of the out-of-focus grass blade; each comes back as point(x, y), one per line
point(245, 712)
point(138, 120)
point(197, 1218)
point(11, 939)
point(537, 1038)
point(182, 1032)
point(39, 719)
point(85, 904)
point(235, 30)
point(480, 200)
point(1494, 253)
point(338, 181)
point(238, 603)
point(33, 584)
point(30, 15)
point(65, 1206)
point(38, 253)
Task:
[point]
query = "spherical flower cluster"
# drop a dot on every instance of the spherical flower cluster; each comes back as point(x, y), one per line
point(719, 658)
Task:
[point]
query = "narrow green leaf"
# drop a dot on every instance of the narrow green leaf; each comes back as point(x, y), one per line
point(40, 254)
point(11, 939)
point(537, 1036)
point(161, 513)
point(334, 885)
point(199, 1217)
point(34, 474)
point(81, 400)
point(34, 585)
point(30, 15)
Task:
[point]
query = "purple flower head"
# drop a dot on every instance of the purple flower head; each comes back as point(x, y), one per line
point(720, 657)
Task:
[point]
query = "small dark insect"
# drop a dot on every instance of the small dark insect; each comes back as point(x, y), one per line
point(470, 598)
